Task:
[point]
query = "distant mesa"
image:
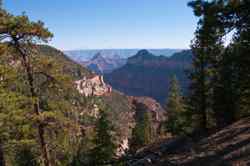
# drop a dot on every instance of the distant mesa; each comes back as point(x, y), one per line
point(145, 74)
point(101, 65)
point(88, 54)
point(98, 56)
point(143, 52)
point(103, 61)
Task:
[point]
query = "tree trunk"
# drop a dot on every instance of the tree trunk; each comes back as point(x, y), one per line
point(41, 130)
point(2, 161)
point(203, 99)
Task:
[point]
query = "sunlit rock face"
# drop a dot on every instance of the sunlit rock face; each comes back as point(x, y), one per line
point(123, 147)
point(94, 86)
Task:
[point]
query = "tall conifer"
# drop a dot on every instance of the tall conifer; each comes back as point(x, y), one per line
point(142, 132)
point(175, 109)
point(104, 150)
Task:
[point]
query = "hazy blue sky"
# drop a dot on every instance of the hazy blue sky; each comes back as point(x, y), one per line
point(112, 23)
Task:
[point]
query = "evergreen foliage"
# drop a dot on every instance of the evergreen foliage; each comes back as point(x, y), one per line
point(175, 107)
point(39, 103)
point(207, 47)
point(142, 132)
point(41, 121)
point(24, 156)
point(104, 150)
point(219, 91)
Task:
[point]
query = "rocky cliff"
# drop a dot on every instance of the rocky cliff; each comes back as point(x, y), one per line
point(93, 86)
point(122, 106)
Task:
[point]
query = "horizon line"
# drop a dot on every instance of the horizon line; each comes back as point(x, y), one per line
point(79, 49)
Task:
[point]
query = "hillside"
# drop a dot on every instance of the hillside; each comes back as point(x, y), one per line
point(227, 147)
point(121, 105)
point(148, 75)
point(70, 67)
point(121, 108)
point(116, 101)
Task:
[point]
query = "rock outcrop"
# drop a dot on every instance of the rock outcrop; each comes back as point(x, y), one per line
point(94, 86)
point(155, 108)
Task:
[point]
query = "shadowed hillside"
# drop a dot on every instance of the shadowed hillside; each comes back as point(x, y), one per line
point(229, 146)
point(148, 75)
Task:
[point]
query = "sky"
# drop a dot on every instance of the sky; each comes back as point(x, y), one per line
point(100, 24)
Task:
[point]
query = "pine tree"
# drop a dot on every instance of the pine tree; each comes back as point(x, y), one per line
point(241, 51)
point(142, 132)
point(104, 150)
point(136, 141)
point(227, 82)
point(24, 156)
point(148, 128)
point(175, 109)
point(22, 34)
point(207, 48)
point(38, 99)
point(225, 91)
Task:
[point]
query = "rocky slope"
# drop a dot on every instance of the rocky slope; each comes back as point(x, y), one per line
point(227, 147)
point(148, 75)
point(90, 85)
point(122, 106)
